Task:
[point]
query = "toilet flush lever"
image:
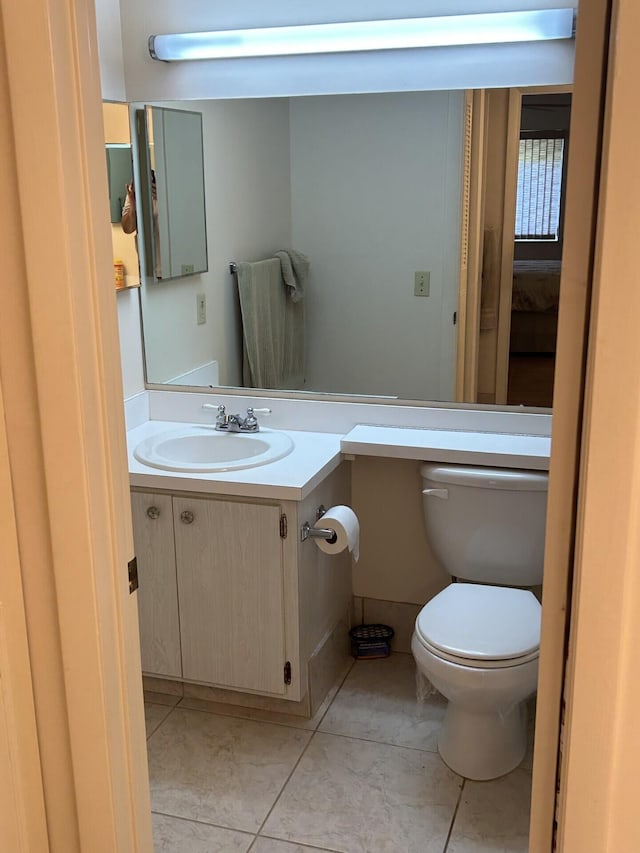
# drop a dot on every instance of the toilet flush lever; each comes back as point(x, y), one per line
point(443, 494)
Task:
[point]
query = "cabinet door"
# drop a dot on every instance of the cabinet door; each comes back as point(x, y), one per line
point(158, 592)
point(230, 583)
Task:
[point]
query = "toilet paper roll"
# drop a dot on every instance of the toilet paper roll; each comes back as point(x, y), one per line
point(344, 523)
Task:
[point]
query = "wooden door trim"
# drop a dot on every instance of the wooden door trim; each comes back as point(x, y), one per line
point(66, 439)
point(573, 327)
point(23, 824)
point(514, 111)
point(471, 246)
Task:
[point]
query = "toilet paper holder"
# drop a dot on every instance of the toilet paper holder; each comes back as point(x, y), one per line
point(307, 531)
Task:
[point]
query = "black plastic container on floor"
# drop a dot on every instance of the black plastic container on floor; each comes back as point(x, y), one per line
point(371, 641)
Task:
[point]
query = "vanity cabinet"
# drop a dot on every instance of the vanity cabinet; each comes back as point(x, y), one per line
point(158, 605)
point(212, 597)
point(233, 604)
point(231, 593)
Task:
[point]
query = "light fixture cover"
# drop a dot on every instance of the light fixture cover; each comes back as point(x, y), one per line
point(486, 28)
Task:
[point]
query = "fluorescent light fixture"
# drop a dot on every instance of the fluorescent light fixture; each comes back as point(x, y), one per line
point(489, 28)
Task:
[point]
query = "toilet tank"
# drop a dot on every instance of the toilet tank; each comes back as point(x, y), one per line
point(486, 524)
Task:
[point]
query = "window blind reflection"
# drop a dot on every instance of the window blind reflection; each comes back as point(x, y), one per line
point(539, 189)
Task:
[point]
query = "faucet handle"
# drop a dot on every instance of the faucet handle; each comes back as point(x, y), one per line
point(251, 421)
point(221, 417)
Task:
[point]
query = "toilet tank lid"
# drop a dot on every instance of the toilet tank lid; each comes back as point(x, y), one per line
point(482, 622)
point(486, 478)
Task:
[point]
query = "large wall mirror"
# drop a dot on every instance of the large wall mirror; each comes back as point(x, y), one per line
point(371, 189)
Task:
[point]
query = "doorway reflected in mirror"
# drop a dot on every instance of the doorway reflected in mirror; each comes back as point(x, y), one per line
point(541, 185)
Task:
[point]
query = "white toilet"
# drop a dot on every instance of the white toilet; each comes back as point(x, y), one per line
point(478, 642)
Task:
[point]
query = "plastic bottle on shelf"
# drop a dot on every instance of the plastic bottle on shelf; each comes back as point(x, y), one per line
point(118, 272)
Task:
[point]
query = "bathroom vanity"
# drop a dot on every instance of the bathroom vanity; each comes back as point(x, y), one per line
point(233, 606)
point(230, 597)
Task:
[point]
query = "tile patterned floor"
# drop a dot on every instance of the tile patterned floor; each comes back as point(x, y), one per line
point(363, 777)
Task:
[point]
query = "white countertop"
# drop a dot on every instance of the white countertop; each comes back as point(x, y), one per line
point(442, 445)
point(316, 454)
point(293, 477)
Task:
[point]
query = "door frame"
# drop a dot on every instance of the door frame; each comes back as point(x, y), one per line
point(59, 358)
point(65, 436)
point(23, 826)
point(597, 807)
point(471, 245)
point(514, 118)
point(560, 609)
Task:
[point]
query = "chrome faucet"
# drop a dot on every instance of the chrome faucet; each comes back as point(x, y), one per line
point(236, 423)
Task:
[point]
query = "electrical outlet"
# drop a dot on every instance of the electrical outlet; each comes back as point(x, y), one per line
point(421, 283)
point(201, 308)
point(186, 269)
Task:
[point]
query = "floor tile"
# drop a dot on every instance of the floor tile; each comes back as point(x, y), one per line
point(154, 715)
point(493, 817)
point(359, 797)
point(220, 770)
point(270, 845)
point(378, 702)
point(174, 835)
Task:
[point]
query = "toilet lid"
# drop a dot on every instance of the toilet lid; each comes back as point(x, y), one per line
point(481, 622)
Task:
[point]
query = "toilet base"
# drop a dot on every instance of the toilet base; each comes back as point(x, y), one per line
point(483, 746)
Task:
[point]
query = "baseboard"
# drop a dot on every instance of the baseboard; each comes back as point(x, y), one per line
point(398, 615)
point(328, 663)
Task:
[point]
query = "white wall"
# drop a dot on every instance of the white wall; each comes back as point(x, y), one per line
point(246, 156)
point(110, 50)
point(131, 358)
point(442, 68)
point(376, 197)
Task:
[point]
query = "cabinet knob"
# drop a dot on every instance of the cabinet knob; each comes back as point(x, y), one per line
point(186, 517)
point(153, 512)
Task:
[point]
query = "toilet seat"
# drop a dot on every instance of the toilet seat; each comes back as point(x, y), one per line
point(481, 626)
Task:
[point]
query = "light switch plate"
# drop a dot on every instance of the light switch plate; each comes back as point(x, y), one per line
point(201, 308)
point(422, 280)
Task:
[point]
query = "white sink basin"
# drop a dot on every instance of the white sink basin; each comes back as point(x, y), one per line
point(202, 448)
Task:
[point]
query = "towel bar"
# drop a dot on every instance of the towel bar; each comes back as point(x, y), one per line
point(233, 267)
